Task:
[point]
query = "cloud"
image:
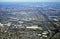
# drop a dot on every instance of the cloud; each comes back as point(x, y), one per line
point(29, 0)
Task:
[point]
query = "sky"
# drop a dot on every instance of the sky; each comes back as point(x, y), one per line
point(29, 0)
